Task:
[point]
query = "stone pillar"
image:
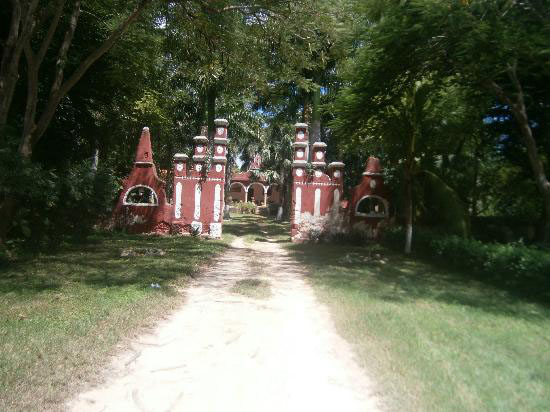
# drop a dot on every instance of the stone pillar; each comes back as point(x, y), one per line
point(180, 172)
point(299, 176)
point(219, 158)
point(198, 171)
point(217, 174)
point(300, 152)
point(336, 174)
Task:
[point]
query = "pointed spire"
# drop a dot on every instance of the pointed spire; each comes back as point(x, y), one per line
point(373, 167)
point(144, 153)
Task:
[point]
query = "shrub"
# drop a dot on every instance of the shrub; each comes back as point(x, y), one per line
point(54, 204)
point(246, 207)
point(496, 259)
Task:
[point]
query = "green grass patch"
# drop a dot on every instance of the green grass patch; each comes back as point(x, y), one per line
point(435, 339)
point(253, 288)
point(62, 314)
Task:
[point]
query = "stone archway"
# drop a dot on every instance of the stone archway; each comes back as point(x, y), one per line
point(240, 195)
point(259, 192)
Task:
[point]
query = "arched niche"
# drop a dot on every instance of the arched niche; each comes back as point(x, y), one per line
point(140, 195)
point(372, 206)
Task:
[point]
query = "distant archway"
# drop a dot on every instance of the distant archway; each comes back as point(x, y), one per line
point(258, 194)
point(238, 191)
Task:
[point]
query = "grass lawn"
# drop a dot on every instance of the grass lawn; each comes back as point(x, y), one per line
point(434, 339)
point(63, 314)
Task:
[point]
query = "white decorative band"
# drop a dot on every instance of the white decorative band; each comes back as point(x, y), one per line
point(208, 179)
point(200, 139)
point(221, 140)
point(300, 125)
point(180, 156)
point(319, 164)
point(336, 164)
point(317, 184)
point(299, 144)
point(143, 163)
point(299, 163)
point(319, 144)
point(372, 174)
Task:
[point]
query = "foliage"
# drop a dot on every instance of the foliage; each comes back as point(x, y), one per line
point(514, 260)
point(54, 204)
point(246, 207)
point(486, 65)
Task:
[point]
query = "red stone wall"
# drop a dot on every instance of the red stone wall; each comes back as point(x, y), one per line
point(313, 194)
point(144, 218)
point(198, 189)
point(371, 186)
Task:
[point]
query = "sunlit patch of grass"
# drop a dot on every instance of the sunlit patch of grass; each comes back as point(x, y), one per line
point(256, 228)
point(62, 314)
point(252, 288)
point(431, 338)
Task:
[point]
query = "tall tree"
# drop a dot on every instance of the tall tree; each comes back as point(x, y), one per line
point(32, 29)
point(496, 46)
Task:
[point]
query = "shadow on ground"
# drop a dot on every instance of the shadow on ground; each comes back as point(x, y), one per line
point(394, 277)
point(99, 263)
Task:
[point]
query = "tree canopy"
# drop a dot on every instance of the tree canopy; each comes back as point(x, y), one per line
point(453, 96)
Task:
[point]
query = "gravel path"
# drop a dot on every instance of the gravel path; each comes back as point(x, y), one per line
point(225, 352)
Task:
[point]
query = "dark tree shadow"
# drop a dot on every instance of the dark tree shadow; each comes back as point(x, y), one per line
point(393, 277)
point(99, 263)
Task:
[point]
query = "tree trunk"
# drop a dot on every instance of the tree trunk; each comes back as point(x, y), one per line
point(22, 24)
point(475, 183)
point(201, 113)
point(537, 166)
point(211, 95)
point(95, 159)
point(33, 131)
point(315, 135)
point(7, 211)
point(282, 188)
point(408, 213)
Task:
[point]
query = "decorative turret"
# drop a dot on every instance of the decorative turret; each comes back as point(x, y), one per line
point(200, 153)
point(300, 151)
point(180, 165)
point(318, 161)
point(373, 168)
point(144, 153)
point(220, 148)
point(336, 172)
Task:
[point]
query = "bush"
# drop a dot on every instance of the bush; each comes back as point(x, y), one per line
point(54, 204)
point(246, 207)
point(495, 259)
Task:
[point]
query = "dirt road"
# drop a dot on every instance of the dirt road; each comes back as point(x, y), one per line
point(226, 352)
